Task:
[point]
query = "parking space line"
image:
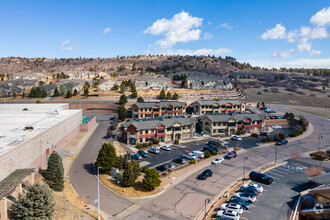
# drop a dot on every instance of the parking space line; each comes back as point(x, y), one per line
point(246, 211)
point(275, 178)
point(273, 173)
point(285, 169)
point(244, 218)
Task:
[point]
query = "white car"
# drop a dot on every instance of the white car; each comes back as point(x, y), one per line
point(254, 185)
point(237, 138)
point(191, 156)
point(276, 126)
point(199, 154)
point(232, 206)
point(245, 197)
point(228, 214)
point(166, 147)
point(217, 160)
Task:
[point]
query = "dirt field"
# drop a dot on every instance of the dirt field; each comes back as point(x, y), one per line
point(315, 111)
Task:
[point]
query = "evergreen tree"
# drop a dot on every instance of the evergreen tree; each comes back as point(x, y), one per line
point(175, 96)
point(55, 172)
point(35, 203)
point(106, 157)
point(140, 99)
point(128, 176)
point(134, 92)
point(115, 87)
point(162, 94)
point(75, 92)
point(14, 95)
point(23, 95)
point(122, 87)
point(56, 93)
point(68, 95)
point(135, 168)
point(123, 99)
point(168, 95)
point(151, 179)
point(32, 93)
point(122, 112)
point(86, 92)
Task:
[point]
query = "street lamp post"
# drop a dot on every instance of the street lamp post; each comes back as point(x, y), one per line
point(318, 143)
point(245, 158)
point(98, 193)
point(207, 200)
point(275, 154)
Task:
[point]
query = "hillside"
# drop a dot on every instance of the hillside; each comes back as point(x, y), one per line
point(133, 64)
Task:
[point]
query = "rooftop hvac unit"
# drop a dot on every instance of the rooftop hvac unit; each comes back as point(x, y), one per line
point(25, 109)
point(28, 127)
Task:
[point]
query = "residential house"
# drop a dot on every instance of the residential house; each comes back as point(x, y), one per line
point(66, 85)
point(227, 124)
point(315, 202)
point(50, 88)
point(24, 84)
point(107, 84)
point(6, 90)
point(202, 107)
point(155, 109)
point(164, 128)
point(153, 83)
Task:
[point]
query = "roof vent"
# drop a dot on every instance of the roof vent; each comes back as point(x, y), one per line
point(28, 127)
point(25, 109)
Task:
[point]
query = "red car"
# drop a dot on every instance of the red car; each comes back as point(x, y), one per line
point(255, 135)
point(272, 117)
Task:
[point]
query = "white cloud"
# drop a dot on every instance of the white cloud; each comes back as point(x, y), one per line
point(300, 63)
point(321, 18)
point(207, 36)
point(203, 51)
point(209, 22)
point(283, 54)
point(106, 30)
point(314, 52)
point(64, 46)
point(182, 27)
point(226, 25)
point(278, 32)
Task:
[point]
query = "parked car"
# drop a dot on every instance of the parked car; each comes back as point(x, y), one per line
point(166, 147)
point(162, 168)
point(231, 154)
point(260, 177)
point(215, 148)
point(255, 135)
point(154, 150)
point(251, 190)
point(228, 214)
point(246, 197)
point(272, 111)
point(281, 142)
point(271, 117)
point(142, 153)
point(263, 108)
point(236, 138)
point(170, 165)
point(232, 206)
point(278, 117)
point(217, 160)
point(179, 160)
point(328, 153)
point(254, 185)
point(264, 134)
point(199, 154)
point(136, 157)
point(210, 149)
point(214, 143)
point(239, 201)
point(191, 156)
point(276, 126)
point(206, 173)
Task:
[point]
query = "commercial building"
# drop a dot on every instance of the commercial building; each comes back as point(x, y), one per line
point(155, 109)
point(30, 132)
point(163, 128)
point(202, 107)
point(227, 124)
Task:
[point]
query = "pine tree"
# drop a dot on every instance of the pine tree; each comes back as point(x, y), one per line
point(175, 96)
point(140, 99)
point(122, 112)
point(162, 94)
point(56, 93)
point(115, 87)
point(122, 87)
point(55, 172)
point(168, 95)
point(123, 99)
point(128, 176)
point(151, 179)
point(134, 92)
point(35, 203)
point(106, 157)
point(136, 168)
point(68, 94)
point(75, 92)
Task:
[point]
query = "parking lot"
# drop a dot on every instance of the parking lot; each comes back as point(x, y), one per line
point(278, 199)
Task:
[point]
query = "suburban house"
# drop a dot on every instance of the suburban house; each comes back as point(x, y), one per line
point(107, 85)
point(24, 84)
point(66, 85)
point(6, 90)
point(202, 107)
point(155, 109)
point(28, 76)
point(153, 83)
point(228, 124)
point(50, 88)
point(163, 128)
point(315, 202)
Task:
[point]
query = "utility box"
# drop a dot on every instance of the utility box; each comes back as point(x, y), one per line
point(84, 120)
point(114, 172)
point(119, 176)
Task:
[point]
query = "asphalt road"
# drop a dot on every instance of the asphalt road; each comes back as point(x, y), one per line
point(82, 173)
point(186, 199)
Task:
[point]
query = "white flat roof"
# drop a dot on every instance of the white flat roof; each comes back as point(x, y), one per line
point(41, 117)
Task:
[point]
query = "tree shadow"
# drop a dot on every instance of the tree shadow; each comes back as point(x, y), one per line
point(138, 186)
point(89, 167)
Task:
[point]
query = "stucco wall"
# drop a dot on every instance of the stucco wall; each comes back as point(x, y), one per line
point(32, 153)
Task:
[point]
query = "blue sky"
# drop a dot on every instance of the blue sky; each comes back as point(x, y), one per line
point(266, 33)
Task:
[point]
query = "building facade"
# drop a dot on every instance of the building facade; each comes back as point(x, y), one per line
point(166, 129)
point(224, 124)
point(142, 110)
point(202, 107)
point(153, 83)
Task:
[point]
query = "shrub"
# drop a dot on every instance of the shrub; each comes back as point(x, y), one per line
point(321, 155)
point(264, 140)
point(145, 145)
point(151, 179)
point(239, 132)
point(192, 162)
point(144, 169)
point(237, 148)
point(214, 152)
point(139, 145)
point(176, 141)
point(269, 139)
point(276, 138)
point(314, 171)
point(207, 154)
point(150, 143)
point(155, 141)
point(281, 135)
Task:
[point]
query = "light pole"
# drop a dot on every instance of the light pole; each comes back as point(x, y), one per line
point(318, 143)
point(98, 193)
point(275, 154)
point(245, 158)
point(207, 200)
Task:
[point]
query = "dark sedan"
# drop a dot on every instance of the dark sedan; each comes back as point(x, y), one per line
point(206, 173)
